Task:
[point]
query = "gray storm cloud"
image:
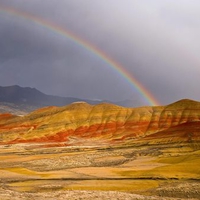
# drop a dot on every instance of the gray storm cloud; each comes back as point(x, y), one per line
point(155, 41)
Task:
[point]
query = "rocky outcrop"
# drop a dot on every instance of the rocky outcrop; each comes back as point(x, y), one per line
point(84, 124)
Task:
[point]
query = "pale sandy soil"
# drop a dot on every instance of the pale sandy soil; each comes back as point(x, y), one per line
point(76, 195)
point(144, 172)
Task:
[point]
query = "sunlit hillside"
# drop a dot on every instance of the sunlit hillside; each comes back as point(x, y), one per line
point(101, 148)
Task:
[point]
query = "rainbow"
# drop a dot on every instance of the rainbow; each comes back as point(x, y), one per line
point(91, 48)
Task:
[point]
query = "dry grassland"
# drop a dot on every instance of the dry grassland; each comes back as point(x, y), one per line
point(136, 172)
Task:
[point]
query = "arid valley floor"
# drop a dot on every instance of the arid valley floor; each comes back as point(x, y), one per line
point(101, 152)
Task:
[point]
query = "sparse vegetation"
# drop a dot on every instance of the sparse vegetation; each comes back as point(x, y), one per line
point(77, 150)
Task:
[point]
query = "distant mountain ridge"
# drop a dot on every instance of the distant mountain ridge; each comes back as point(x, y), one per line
point(21, 100)
point(32, 96)
point(26, 99)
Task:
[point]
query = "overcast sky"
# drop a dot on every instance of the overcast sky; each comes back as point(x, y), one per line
point(156, 41)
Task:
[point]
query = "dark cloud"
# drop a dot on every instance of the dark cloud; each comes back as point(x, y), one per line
point(156, 42)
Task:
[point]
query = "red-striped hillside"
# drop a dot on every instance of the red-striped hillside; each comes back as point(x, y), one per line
point(84, 124)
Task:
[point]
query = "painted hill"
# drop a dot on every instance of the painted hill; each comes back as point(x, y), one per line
point(104, 124)
point(151, 151)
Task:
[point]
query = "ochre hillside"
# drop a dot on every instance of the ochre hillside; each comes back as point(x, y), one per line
point(83, 124)
point(102, 152)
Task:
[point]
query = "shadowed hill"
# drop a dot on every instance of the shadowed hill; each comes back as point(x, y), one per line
point(22, 100)
point(25, 99)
